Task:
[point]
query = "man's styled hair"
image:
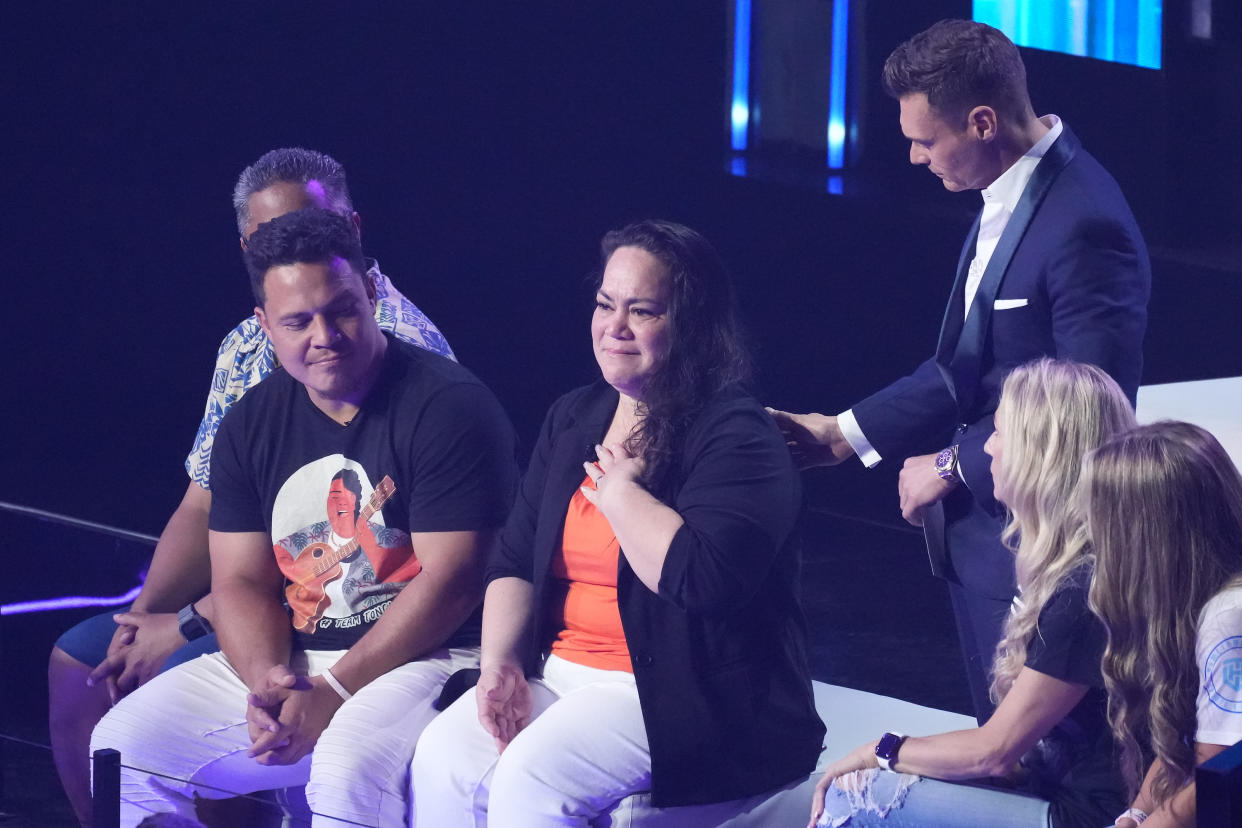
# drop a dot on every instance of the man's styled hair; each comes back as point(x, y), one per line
point(958, 65)
point(296, 165)
point(307, 236)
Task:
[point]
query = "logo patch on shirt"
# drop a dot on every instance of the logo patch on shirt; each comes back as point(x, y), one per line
point(1231, 673)
point(1223, 672)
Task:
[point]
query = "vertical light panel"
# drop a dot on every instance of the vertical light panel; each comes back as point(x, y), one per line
point(1201, 19)
point(1077, 28)
point(1106, 25)
point(739, 114)
point(1023, 32)
point(1149, 25)
point(836, 83)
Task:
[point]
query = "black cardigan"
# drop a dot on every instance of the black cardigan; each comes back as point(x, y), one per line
point(719, 655)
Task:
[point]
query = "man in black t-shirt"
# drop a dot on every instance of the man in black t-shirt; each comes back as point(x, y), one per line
point(415, 457)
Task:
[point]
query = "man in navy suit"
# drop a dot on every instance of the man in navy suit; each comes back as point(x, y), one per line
point(1055, 265)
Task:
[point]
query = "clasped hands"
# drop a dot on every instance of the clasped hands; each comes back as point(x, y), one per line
point(143, 641)
point(286, 713)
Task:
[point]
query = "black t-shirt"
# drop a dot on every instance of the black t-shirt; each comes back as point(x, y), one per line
point(430, 450)
point(1075, 767)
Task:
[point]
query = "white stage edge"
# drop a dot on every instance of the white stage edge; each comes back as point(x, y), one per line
point(1213, 404)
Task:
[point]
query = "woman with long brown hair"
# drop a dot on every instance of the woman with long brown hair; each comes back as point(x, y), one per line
point(1164, 510)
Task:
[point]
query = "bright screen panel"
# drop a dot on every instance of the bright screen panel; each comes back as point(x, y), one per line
point(1124, 31)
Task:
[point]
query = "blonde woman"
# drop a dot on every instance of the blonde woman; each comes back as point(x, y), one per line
point(1047, 747)
point(1164, 508)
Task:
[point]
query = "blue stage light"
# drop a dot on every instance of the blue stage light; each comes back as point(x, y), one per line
point(740, 113)
point(836, 83)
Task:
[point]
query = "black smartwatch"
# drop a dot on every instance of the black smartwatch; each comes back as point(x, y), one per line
point(191, 624)
point(886, 750)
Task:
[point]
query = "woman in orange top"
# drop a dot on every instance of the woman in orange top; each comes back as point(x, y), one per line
point(641, 627)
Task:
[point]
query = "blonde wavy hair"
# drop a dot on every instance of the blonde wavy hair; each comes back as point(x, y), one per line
point(1051, 413)
point(1164, 510)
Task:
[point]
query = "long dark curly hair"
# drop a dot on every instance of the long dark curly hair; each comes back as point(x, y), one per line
point(707, 350)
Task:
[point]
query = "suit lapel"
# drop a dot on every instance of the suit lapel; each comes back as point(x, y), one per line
point(951, 325)
point(967, 352)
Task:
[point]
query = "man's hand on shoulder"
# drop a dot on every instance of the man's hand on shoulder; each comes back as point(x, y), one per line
point(286, 714)
point(142, 642)
point(813, 439)
point(919, 485)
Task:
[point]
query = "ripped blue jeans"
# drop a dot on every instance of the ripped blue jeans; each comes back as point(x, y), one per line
point(898, 800)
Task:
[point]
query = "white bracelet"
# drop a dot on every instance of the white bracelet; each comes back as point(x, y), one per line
point(340, 688)
point(1134, 814)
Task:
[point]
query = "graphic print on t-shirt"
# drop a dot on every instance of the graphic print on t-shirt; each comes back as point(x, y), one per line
point(1223, 674)
point(342, 564)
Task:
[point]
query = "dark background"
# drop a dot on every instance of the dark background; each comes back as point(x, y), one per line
point(489, 146)
point(488, 149)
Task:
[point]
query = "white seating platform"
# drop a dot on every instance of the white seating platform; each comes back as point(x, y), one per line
point(852, 718)
point(1213, 404)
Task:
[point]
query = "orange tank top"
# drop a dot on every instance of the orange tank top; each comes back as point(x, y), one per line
point(585, 606)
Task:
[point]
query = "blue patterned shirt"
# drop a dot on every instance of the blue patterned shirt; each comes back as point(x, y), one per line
point(246, 356)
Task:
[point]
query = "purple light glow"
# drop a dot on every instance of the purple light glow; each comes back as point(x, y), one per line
point(69, 602)
point(74, 601)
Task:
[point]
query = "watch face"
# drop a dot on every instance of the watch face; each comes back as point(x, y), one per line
point(944, 460)
point(888, 745)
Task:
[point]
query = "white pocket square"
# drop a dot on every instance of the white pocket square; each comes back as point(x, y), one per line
point(1009, 304)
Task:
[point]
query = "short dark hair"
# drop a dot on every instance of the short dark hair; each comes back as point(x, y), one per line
point(958, 65)
point(707, 348)
point(293, 164)
point(305, 236)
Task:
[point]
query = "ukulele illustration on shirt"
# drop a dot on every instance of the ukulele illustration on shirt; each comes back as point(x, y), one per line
point(319, 564)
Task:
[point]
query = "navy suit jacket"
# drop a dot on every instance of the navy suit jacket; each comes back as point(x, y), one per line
point(1073, 252)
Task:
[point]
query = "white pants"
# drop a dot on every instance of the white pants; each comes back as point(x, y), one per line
point(585, 749)
point(184, 733)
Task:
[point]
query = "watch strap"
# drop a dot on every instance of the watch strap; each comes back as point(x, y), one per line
point(1132, 813)
point(191, 624)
